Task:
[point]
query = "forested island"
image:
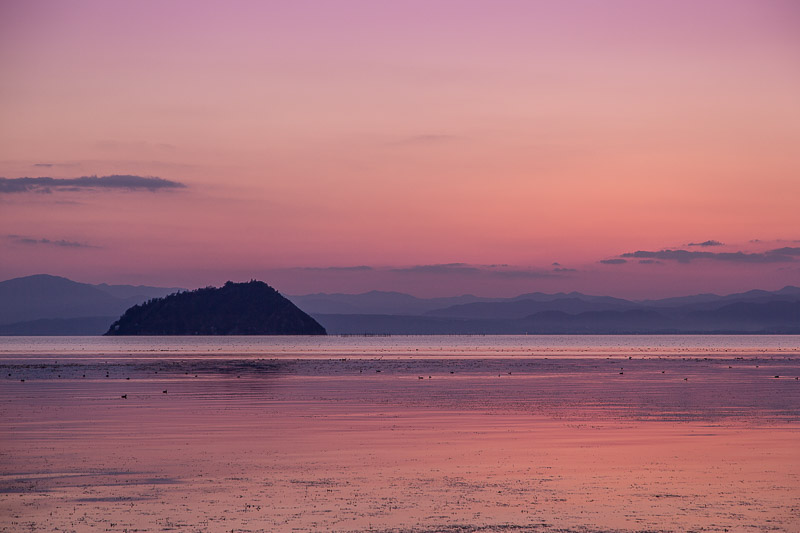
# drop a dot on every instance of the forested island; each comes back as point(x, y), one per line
point(252, 308)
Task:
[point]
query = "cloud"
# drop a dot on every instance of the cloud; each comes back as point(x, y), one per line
point(465, 269)
point(116, 181)
point(650, 262)
point(445, 268)
point(19, 239)
point(359, 268)
point(613, 261)
point(706, 243)
point(685, 256)
point(494, 271)
point(786, 251)
point(527, 274)
point(762, 241)
point(46, 165)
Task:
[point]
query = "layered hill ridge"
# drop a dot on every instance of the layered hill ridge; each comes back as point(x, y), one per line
point(753, 312)
point(252, 308)
point(45, 297)
point(52, 305)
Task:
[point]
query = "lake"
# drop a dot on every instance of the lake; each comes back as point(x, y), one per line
point(400, 434)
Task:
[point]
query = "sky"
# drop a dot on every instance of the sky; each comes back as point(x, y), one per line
point(637, 149)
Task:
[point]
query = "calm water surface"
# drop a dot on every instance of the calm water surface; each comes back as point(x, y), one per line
point(450, 433)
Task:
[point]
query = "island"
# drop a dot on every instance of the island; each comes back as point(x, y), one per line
point(251, 308)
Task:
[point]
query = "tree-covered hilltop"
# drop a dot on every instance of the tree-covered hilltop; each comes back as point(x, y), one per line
point(252, 308)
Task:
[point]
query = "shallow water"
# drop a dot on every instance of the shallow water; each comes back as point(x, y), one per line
point(575, 433)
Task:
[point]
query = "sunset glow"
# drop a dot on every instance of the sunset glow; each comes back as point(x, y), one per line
point(434, 148)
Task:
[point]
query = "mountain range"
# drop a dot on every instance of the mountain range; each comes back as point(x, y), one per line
point(51, 305)
point(377, 312)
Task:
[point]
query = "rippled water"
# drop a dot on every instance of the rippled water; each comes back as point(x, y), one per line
point(446, 433)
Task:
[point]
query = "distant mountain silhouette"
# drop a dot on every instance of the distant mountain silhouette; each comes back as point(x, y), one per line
point(575, 313)
point(52, 305)
point(252, 308)
point(136, 293)
point(521, 308)
point(42, 296)
point(377, 302)
point(772, 316)
point(781, 317)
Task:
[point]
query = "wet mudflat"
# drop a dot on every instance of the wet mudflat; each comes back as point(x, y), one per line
point(401, 434)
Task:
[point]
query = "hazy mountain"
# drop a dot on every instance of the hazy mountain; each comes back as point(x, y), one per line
point(252, 308)
point(396, 303)
point(414, 325)
point(773, 316)
point(545, 297)
point(520, 308)
point(47, 305)
point(597, 322)
point(376, 302)
point(137, 293)
point(741, 317)
point(754, 311)
point(44, 297)
point(711, 301)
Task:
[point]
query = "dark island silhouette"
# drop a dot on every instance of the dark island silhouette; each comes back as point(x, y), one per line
point(252, 308)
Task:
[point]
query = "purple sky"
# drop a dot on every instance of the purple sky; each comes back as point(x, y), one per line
point(428, 147)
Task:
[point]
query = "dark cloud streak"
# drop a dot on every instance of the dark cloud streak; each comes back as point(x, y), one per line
point(29, 241)
point(444, 268)
point(786, 251)
point(465, 269)
point(113, 182)
point(686, 256)
point(359, 268)
point(706, 243)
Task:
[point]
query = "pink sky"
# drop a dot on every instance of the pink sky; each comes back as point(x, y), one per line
point(394, 136)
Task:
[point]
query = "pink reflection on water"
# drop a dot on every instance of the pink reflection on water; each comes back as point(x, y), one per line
point(318, 443)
